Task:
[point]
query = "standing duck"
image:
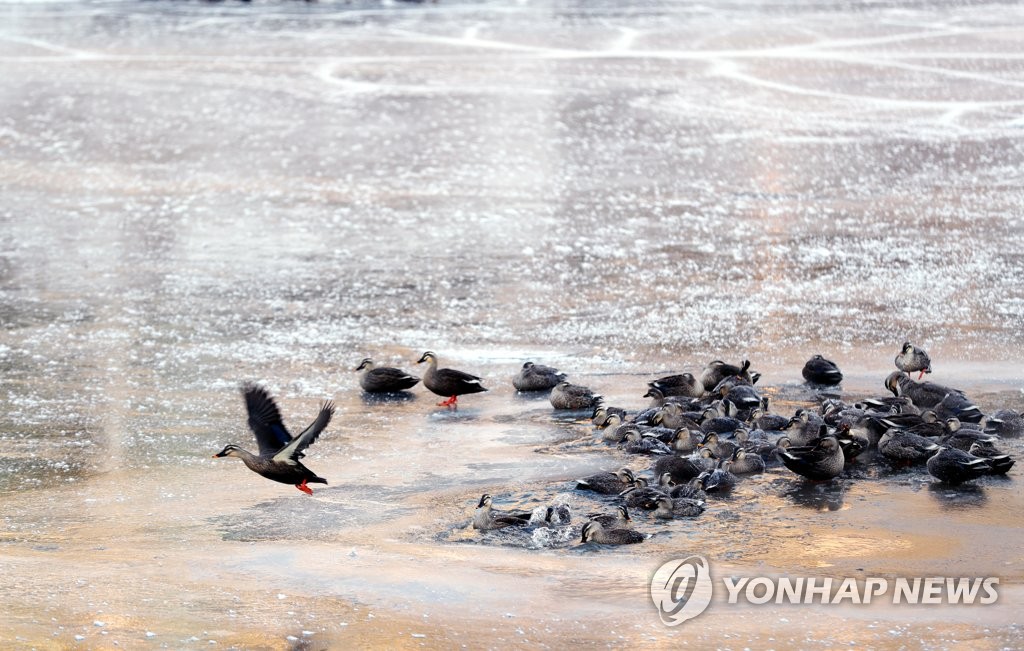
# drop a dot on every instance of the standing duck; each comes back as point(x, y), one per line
point(280, 452)
point(821, 461)
point(924, 395)
point(384, 379)
point(819, 370)
point(912, 358)
point(537, 377)
point(572, 397)
point(448, 381)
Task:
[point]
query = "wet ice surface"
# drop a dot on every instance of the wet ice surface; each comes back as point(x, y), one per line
point(196, 195)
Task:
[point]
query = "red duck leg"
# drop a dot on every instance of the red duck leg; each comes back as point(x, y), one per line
point(304, 488)
point(450, 402)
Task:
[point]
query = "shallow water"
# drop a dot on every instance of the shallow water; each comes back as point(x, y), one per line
point(195, 195)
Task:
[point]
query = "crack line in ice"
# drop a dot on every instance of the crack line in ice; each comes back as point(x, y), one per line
point(731, 70)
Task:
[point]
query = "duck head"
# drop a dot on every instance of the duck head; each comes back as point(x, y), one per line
point(427, 357)
point(229, 451)
point(366, 363)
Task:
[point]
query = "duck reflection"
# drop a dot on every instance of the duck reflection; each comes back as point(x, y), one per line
point(955, 498)
point(819, 496)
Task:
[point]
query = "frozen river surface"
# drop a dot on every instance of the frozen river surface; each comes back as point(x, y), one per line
point(193, 195)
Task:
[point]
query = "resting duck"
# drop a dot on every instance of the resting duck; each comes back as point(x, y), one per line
point(912, 358)
point(999, 462)
point(607, 483)
point(280, 452)
point(572, 397)
point(537, 377)
point(718, 370)
point(1005, 422)
point(485, 518)
point(682, 507)
point(821, 461)
point(954, 466)
point(447, 381)
point(819, 370)
point(593, 531)
point(906, 447)
point(384, 379)
point(678, 385)
point(618, 520)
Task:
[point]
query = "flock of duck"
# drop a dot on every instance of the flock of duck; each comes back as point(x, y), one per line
point(701, 434)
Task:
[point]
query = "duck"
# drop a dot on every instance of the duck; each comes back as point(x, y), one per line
point(614, 430)
point(537, 377)
point(953, 466)
point(683, 384)
point(999, 463)
point(924, 395)
point(594, 531)
point(744, 399)
point(557, 515)
point(744, 463)
point(713, 421)
point(686, 440)
point(570, 396)
point(681, 468)
point(384, 379)
point(912, 358)
point(853, 441)
point(607, 483)
point(718, 370)
point(756, 442)
point(906, 447)
point(805, 427)
point(821, 461)
point(672, 415)
point(279, 451)
point(818, 370)
point(682, 507)
point(766, 420)
point(958, 436)
point(448, 382)
point(618, 519)
point(1005, 422)
point(636, 443)
point(485, 518)
point(956, 405)
point(719, 448)
point(694, 489)
point(642, 496)
point(721, 479)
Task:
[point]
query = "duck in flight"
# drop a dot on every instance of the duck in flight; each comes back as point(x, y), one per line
point(279, 451)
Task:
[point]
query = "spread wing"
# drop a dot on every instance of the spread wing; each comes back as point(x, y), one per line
point(265, 420)
point(293, 451)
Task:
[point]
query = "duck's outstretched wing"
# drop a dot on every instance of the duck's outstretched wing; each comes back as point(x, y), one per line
point(265, 420)
point(293, 451)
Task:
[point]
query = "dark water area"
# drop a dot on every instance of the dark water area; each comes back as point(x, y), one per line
point(195, 195)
